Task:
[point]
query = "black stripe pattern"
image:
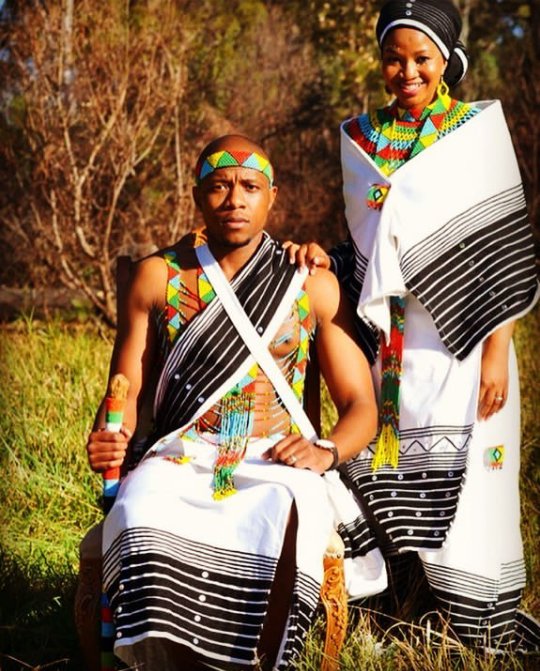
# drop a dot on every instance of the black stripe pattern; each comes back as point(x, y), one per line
point(358, 538)
point(210, 349)
point(475, 272)
point(483, 612)
point(415, 503)
point(208, 598)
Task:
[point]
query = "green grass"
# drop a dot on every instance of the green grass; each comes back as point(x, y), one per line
point(52, 378)
point(53, 375)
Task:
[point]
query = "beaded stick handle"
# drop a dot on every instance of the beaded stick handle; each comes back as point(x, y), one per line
point(115, 403)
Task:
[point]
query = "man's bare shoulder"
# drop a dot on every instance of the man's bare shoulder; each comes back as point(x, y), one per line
point(149, 283)
point(322, 279)
point(150, 268)
point(324, 293)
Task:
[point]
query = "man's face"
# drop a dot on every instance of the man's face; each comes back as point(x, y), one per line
point(234, 203)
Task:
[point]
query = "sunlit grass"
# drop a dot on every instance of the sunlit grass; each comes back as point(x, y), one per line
point(53, 375)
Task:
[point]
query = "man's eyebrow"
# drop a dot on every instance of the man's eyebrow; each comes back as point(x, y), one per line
point(217, 179)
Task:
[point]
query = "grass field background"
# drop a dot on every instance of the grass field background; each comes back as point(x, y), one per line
point(53, 375)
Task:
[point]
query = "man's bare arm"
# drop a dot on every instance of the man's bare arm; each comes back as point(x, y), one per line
point(347, 375)
point(133, 355)
point(344, 367)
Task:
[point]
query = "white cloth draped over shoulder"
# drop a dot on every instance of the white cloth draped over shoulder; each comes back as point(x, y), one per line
point(453, 231)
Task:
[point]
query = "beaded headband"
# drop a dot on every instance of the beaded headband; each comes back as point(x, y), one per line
point(234, 159)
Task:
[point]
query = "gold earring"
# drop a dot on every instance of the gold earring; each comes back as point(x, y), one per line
point(442, 88)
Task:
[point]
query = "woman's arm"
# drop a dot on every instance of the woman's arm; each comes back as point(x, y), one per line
point(494, 371)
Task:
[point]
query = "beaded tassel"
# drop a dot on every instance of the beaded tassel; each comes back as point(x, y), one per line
point(236, 415)
point(387, 448)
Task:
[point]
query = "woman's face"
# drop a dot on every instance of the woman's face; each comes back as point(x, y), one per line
point(412, 67)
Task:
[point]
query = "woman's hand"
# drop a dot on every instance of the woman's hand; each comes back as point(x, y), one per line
point(298, 452)
point(309, 254)
point(106, 449)
point(494, 372)
point(493, 385)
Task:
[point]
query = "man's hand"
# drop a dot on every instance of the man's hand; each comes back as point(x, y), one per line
point(298, 452)
point(106, 449)
point(309, 254)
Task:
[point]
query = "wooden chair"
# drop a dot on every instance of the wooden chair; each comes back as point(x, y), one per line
point(333, 593)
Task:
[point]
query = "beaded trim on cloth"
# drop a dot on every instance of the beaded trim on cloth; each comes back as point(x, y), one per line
point(391, 136)
point(387, 450)
point(180, 297)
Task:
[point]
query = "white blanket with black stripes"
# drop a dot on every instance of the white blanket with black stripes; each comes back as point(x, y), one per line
point(182, 566)
point(197, 571)
point(453, 231)
point(454, 239)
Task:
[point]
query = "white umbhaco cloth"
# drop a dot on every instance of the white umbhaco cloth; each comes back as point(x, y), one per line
point(167, 509)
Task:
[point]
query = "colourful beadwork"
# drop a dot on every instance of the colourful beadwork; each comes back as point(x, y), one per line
point(391, 135)
point(179, 460)
point(180, 297)
point(376, 195)
point(387, 448)
point(302, 355)
point(234, 431)
point(494, 458)
point(234, 159)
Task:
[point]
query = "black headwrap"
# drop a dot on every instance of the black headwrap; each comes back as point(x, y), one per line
point(439, 20)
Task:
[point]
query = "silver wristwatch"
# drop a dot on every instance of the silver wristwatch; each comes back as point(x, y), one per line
point(331, 446)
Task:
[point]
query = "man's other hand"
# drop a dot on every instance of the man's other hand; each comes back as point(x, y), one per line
point(298, 452)
point(106, 449)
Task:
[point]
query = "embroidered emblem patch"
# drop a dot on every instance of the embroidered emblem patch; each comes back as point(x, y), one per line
point(494, 458)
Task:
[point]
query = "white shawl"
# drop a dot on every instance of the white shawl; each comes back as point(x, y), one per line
point(453, 230)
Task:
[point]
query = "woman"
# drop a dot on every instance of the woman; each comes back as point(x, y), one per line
point(440, 263)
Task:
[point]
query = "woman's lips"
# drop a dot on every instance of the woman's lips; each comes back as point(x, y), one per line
point(410, 89)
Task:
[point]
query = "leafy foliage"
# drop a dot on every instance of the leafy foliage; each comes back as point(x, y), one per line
point(106, 105)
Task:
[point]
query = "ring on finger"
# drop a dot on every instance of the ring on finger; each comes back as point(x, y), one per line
point(291, 460)
point(499, 398)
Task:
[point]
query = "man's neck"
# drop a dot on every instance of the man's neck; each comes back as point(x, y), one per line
point(231, 259)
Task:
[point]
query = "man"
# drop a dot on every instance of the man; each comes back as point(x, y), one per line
point(213, 549)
